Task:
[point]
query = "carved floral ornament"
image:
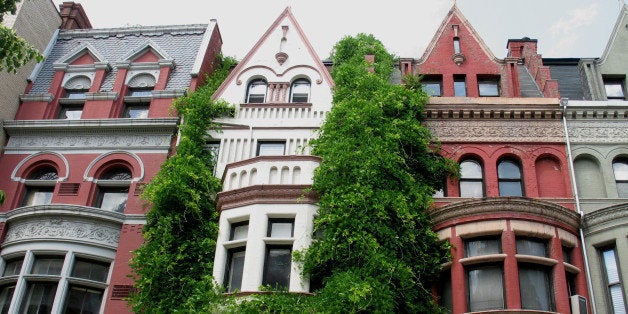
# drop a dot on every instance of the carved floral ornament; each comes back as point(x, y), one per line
point(63, 229)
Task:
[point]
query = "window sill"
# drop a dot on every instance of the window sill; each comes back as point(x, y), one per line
point(482, 259)
point(571, 268)
point(277, 105)
point(279, 240)
point(536, 260)
point(234, 243)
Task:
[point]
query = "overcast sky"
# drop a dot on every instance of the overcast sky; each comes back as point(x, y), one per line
point(564, 28)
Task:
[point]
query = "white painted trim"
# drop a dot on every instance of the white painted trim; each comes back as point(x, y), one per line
point(14, 176)
point(103, 156)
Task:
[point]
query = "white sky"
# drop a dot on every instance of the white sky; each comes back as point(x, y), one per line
point(564, 28)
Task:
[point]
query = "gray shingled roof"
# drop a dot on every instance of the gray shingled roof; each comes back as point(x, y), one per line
point(567, 72)
point(180, 42)
point(527, 84)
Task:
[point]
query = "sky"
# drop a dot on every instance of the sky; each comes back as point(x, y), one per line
point(564, 28)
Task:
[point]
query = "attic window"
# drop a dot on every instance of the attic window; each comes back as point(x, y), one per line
point(614, 87)
point(456, 45)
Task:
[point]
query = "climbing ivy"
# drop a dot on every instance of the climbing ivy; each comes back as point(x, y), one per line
point(378, 173)
point(173, 266)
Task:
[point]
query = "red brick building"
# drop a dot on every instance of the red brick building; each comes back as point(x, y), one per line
point(92, 129)
point(510, 216)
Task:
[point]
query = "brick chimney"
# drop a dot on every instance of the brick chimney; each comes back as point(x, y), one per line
point(520, 48)
point(526, 50)
point(73, 16)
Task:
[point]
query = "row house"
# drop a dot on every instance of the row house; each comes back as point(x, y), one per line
point(92, 128)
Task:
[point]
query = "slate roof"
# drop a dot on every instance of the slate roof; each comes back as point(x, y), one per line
point(567, 72)
point(181, 42)
point(527, 84)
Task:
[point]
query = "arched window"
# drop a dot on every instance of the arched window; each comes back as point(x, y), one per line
point(509, 177)
point(256, 91)
point(471, 179)
point(620, 169)
point(300, 90)
point(113, 189)
point(39, 186)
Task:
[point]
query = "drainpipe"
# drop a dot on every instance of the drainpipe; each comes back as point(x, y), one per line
point(563, 103)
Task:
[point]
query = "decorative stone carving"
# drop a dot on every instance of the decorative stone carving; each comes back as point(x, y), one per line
point(458, 58)
point(597, 132)
point(496, 131)
point(281, 57)
point(104, 141)
point(60, 228)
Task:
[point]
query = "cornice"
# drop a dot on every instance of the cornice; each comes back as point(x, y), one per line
point(493, 108)
point(156, 125)
point(134, 31)
point(266, 194)
point(67, 210)
point(614, 215)
point(505, 205)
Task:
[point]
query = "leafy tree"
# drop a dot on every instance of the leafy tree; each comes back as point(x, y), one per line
point(14, 50)
point(174, 264)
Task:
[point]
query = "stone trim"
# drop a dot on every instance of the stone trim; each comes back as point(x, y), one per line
point(600, 131)
point(63, 210)
point(271, 158)
point(101, 96)
point(171, 93)
point(265, 194)
point(504, 205)
point(502, 130)
point(158, 125)
point(614, 215)
point(277, 105)
point(47, 97)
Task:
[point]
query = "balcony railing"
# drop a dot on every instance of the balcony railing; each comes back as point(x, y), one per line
point(270, 170)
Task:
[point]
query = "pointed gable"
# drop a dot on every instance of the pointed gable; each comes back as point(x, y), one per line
point(281, 55)
point(615, 59)
point(147, 52)
point(472, 48)
point(81, 55)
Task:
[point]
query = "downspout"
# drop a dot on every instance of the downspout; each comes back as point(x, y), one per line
point(563, 103)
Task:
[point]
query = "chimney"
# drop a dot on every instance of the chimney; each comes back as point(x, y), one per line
point(520, 48)
point(73, 16)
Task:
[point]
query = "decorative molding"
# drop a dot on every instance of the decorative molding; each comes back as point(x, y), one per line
point(102, 96)
point(614, 215)
point(171, 93)
point(266, 194)
point(14, 176)
point(496, 131)
point(63, 223)
point(508, 206)
point(91, 140)
point(281, 57)
point(86, 176)
point(597, 131)
point(47, 97)
point(318, 81)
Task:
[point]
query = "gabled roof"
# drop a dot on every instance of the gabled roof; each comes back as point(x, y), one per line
point(622, 19)
point(455, 11)
point(79, 51)
point(113, 45)
point(148, 45)
point(286, 14)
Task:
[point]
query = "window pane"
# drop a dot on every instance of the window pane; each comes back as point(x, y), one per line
point(91, 270)
point(534, 247)
point(39, 297)
point(141, 92)
point(510, 188)
point(431, 88)
point(614, 89)
point(508, 169)
point(617, 299)
point(38, 196)
point(620, 169)
point(535, 287)
point(5, 298)
point(610, 264)
point(270, 149)
point(486, 288)
point(446, 294)
point(256, 92)
point(13, 267)
point(75, 93)
point(117, 174)
point(567, 254)
point(456, 45)
point(236, 268)
point(47, 173)
point(470, 169)
point(460, 87)
point(471, 189)
point(482, 247)
point(71, 113)
point(114, 199)
point(277, 267)
point(300, 91)
point(281, 228)
point(488, 88)
point(83, 300)
point(136, 112)
point(239, 231)
point(47, 266)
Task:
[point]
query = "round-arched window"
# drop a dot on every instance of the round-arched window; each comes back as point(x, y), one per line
point(300, 90)
point(256, 91)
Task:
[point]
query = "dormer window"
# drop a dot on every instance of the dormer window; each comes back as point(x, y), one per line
point(614, 87)
point(256, 91)
point(300, 91)
point(137, 101)
point(73, 99)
